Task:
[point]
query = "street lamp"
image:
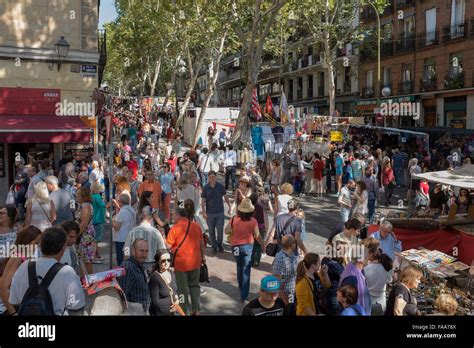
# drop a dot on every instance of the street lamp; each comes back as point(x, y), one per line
point(62, 49)
point(377, 87)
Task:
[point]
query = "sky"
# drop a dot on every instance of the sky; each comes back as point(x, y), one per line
point(107, 12)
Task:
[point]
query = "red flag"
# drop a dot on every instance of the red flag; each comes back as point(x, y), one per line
point(268, 111)
point(255, 105)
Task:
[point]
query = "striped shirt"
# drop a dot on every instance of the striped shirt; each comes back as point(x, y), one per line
point(135, 283)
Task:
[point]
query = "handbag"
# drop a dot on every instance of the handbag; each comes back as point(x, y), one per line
point(204, 274)
point(173, 255)
point(273, 248)
point(231, 233)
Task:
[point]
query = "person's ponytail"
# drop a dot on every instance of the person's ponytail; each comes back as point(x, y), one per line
point(386, 261)
point(189, 208)
point(300, 271)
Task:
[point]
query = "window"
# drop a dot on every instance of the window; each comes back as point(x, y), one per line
point(264, 90)
point(369, 80)
point(236, 93)
point(429, 68)
point(457, 18)
point(321, 84)
point(290, 92)
point(409, 27)
point(276, 87)
point(387, 76)
point(310, 86)
point(387, 32)
point(456, 63)
point(406, 72)
point(430, 25)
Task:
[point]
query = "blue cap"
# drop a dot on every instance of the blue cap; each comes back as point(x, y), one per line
point(270, 284)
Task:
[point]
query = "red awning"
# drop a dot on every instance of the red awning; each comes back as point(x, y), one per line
point(43, 129)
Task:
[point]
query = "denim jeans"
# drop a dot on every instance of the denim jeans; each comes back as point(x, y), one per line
point(204, 179)
point(243, 256)
point(398, 172)
point(215, 222)
point(119, 252)
point(371, 208)
point(230, 172)
point(345, 213)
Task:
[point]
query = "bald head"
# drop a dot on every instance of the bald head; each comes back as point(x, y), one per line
point(140, 250)
point(287, 241)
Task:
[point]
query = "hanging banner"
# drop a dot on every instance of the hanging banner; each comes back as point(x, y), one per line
point(336, 136)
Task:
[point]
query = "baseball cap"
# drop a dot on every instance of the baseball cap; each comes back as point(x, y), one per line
point(270, 284)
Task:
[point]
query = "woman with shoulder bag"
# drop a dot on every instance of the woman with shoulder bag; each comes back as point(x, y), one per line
point(244, 229)
point(163, 291)
point(40, 210)
point(86, 238)
point(185, 241)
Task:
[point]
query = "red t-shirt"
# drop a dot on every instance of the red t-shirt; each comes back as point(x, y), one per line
point(173, 163)
point(133, 167)
point(425, 188)
point(318, 167)
point(243, 231)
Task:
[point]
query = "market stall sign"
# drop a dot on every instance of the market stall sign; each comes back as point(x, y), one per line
point(336, 136)
point(458, 124)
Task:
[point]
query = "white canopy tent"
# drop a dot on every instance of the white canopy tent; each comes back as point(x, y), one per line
point(461, 177)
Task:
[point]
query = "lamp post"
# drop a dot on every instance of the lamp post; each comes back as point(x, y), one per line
point(377, 86)
point(62, 49)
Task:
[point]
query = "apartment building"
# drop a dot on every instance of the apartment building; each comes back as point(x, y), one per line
point(426, 58)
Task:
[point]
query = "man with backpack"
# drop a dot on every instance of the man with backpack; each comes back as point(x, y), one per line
point(45, 286)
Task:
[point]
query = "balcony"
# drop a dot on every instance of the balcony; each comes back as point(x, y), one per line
point(401, 4)
point(454, 81)
point(368, 92)
point(367, 54)
point(388, 10)
point(406, 43)
point(428, 84)
point(428, 38)
point(455, 32)
point(386, 48)
point(405, 87)
point(321, 91)
point(347, 87)
point(368, 15)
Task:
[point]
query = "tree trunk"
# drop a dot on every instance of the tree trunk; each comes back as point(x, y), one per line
point(211, 83)
point(243, 113)
point(332, 90)
point(169, 91)
point(194, 70)
point(155, 77)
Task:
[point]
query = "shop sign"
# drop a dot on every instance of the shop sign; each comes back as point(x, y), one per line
point(336, 136)
point(2, 161)
point(75, 68)
point(29, 101)
point(458, 124)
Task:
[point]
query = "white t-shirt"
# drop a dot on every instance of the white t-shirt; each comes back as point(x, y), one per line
point(127, 216)
point(283, 204)
point(376, 278)
point(65, 289)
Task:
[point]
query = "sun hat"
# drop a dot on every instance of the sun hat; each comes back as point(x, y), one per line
point(245, 178)
point(246, 206)
point(270, 284)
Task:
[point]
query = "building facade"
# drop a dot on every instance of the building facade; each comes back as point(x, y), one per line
point(35, 76)
point(425, 59)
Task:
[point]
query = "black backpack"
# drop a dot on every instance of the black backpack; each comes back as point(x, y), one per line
point(37, 299)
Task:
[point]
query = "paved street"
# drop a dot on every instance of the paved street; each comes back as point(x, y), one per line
point(222, 297)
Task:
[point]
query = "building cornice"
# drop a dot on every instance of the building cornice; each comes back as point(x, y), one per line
point(47, 54)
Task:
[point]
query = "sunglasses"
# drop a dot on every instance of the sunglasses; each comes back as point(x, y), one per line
point(165, 260)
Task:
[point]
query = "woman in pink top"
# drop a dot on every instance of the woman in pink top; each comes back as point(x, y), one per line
point(388, 181)
point(244, 230)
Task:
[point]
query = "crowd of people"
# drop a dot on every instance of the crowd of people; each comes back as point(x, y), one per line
point(167, 207)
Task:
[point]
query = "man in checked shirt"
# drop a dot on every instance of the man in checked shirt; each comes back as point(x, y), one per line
point(284, 268)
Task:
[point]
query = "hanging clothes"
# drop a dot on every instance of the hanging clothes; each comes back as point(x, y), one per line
point(257, 140)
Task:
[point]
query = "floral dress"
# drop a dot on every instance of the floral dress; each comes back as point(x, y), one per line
point(86, 248)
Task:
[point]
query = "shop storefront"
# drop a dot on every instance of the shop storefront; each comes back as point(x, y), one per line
point(31, 130)
point(429, 108)
point(455, 111)
point(368, 108)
